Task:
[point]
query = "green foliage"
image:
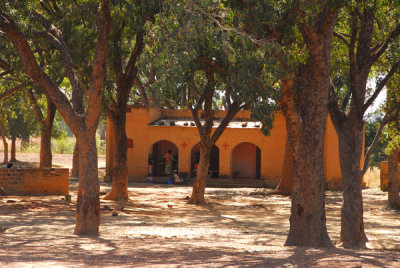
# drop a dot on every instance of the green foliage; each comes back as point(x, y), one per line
point(201, 40)
point(63, 145)
point(380, 151)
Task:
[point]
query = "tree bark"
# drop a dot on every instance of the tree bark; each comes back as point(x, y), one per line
point(349, 124)
point(13, 150)
point(46, 156)
point(200, 184)
point(88, 203)
point(5, 144)
point(75, 161)
point(352, 233)
point(119, 186)
point(304, 105)
point(117, 114)
point(393, 180)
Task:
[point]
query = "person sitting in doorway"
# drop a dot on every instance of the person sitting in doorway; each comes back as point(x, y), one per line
point(177, 178)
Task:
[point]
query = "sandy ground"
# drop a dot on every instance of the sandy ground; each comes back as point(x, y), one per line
point(239, 227)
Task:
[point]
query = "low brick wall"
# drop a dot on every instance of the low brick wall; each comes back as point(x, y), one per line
point(35, 181)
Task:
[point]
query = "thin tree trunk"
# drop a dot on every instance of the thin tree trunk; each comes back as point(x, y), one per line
point(352, 233)
point(46, 156)
point(5, 144)
point(88, 204)
point(393, 180)
point(124, 82)
point(75, 161)
point(13, 150)
point(200, 183)
point(119, 187)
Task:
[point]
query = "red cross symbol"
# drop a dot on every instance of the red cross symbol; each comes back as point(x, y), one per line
point(225, 145)
point(184, 144)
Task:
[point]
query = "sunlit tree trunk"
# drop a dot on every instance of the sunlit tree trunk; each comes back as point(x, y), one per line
point(13, 150)
point(200, 184)
point(119, 187)
point(5, 143)
point(393, 180)
point(352, 233)
point(88, 204)
point(304, 105)
point(75, 161)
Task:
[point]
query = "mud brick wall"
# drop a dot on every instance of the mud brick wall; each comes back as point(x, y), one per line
point(35, 181)
point(12, 180)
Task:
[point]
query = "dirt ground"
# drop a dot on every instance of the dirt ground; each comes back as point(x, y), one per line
point(240, 227)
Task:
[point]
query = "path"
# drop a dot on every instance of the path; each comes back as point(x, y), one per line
point(156, 228)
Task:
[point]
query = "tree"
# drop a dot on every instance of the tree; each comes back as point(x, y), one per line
point(46, 125)
point(393, 180)
point(204, 62)
point(83, 125)
point(125, 72)
point(304, 32)
point(350, 97)
point(393, 131)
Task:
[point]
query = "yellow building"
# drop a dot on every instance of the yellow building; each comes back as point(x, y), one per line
point(242, 151)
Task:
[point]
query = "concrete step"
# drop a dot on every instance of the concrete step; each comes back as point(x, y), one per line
point(219, 183)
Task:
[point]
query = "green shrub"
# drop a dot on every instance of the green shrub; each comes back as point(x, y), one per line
point(63, 145)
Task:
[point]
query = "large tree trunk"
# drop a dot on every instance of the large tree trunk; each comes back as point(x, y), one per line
point(119, 187)
point(306, 137)
point(46, 156)
point(75, 161)
point(304, 105)
point(200, 183)
point(393, 180)
point(13, 150)
point(285, 185)
point(88, 204)
point(352, 233)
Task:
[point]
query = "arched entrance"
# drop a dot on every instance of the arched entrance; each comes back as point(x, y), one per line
point(214, 161)
point(157, 158)
point(246, 161)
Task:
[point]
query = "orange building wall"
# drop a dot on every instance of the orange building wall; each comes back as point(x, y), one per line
point(185, 138)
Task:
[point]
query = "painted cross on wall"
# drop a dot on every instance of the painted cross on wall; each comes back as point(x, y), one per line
point(184, 145)
point(225, 145)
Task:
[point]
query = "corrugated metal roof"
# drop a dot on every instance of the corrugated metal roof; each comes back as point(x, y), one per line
point(189, 122)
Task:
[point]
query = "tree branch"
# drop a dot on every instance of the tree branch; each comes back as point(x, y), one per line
point(142, 92)
point(57, 39)
point(36, 108)
point(9, 92)
point(28, 59)
point(384, 46)
point(381, 85)
point(374, 143)
point(95, 93)
point(341, 37)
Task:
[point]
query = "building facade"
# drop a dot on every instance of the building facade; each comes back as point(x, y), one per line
point(242, 151)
